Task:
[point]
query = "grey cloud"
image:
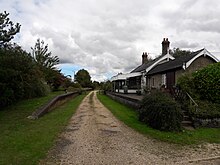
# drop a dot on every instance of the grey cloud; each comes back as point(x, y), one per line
point(183, 44)
point(194, 16)
point(109, 36)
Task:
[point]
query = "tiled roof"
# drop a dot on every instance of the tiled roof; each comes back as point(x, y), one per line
point(173, 64)
point(145, 65)
point(142, 67)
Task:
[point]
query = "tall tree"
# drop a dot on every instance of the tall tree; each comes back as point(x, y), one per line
point(7, 29)
point(46, 63)
point(83, 78)
point(177, 52)
point(41, 55)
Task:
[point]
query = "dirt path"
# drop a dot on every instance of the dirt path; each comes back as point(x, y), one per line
point(94, 136)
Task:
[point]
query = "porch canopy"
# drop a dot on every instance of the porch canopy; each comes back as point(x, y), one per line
point(125, 76)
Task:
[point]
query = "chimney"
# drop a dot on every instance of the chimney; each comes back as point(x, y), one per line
point(144, 58)
point(165, 46)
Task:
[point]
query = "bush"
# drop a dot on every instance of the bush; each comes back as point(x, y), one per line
point(206, 110)
point(160, 111)
point(19, 77)
point(186, 84)
point(207, 83)
point(204, 87)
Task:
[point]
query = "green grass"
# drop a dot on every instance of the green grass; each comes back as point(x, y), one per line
point(24, 141)
point(129, 117)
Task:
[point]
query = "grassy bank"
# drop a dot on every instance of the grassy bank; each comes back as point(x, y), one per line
point(24, 141)
point(129, 117)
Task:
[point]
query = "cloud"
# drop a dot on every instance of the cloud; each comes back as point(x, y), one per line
point(107, 37)
point(185, 44)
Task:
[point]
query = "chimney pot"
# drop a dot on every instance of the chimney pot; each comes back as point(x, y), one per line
point(165, 46)
point(144, 58)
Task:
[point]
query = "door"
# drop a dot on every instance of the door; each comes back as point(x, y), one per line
point(170, 76)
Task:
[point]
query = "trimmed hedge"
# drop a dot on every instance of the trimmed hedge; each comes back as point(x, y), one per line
point(160, 111)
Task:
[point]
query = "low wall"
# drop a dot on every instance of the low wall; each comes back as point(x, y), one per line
point(134, 103)
point(210, 123)
point(58, 100)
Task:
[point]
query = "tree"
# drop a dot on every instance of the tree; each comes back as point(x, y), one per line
point(83, 78)
point(20, 78)
point(177, 52)
point(7, 29)
point(95, 85)
point(106, 86)
point(46, 62)
point(41, 55)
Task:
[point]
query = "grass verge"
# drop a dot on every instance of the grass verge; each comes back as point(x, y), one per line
point(24, 141)
point(129, 117)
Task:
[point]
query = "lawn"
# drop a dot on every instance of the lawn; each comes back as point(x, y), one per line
point(24, 141)
point(129, 117)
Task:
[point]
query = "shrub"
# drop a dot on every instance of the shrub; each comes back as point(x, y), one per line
point(204, 87)
point(207, 83)
point(19, 77)
point(206, 110)
point(186, 83)
point(160, 111)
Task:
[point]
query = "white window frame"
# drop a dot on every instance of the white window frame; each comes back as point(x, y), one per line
point(164, 80)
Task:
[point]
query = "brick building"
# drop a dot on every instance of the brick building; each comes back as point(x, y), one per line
point(162, 71)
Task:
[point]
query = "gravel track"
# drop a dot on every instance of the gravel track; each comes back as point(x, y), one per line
point(94, 136)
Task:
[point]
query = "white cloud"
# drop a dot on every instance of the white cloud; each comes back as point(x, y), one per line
point(109, 36)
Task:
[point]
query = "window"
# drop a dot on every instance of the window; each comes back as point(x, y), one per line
point(164, 80)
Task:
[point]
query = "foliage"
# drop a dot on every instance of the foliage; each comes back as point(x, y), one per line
point(204, 87)
point(7, 28)
point(130, 117)
point(206, 110)
point(185, 82)
point(177, 52)
point(160, 111)
point(24, 141)
point(76, 85)
point(106, 86)
point(19, 76)
point(46, 63)
point(24, 76)
point(42, 57)
point(95, 85)
point(207, 83)
point(83, 78)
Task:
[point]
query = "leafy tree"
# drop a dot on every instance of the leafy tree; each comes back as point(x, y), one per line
point(83, 78)
point(95, 85)
point(46, 62)
point(7, 29)
point(41, 55)
point(20, 78)
point(106, 86)
point(177, 52)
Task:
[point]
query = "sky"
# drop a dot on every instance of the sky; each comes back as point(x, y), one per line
point(107, 37)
